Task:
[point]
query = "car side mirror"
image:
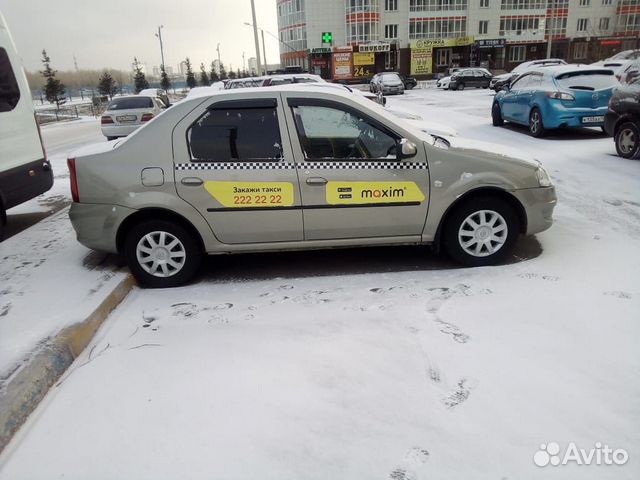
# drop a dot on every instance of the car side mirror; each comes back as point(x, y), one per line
point(407, 149)
point(506, 87)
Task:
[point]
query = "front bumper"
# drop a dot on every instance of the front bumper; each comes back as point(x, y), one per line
point(97, 225)
point(392, 90)
point(441, 84)
point(538, 205)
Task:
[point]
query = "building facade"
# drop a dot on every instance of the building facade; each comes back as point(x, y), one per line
point(347, 39)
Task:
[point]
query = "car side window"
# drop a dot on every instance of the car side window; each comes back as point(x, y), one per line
point(236, 135)
point(9, 90)
point(520, 83)
point(330, 133)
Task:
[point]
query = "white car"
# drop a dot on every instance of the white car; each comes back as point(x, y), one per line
point(444, 82)
point(126, 114)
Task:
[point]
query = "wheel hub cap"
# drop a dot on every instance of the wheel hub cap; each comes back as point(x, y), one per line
point(160, 254)
point(627, 141)
point(483, 233)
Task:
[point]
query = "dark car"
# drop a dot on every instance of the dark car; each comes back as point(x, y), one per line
point(409, 82)
point(500, 81)
point(622, 120)
point(469, 77)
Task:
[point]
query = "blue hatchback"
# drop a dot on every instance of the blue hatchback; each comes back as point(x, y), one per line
point(557, 97)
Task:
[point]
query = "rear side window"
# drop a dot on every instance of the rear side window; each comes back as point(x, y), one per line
point(236, 134)
point(9, 90)
point(130, 103)
point(587, 80)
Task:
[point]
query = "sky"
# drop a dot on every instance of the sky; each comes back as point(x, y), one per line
point(109, 34)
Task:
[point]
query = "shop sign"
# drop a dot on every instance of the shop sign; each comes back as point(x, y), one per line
point(342, 65)
point(363, 59)
point(320, 50)
point(445, 42)
point(492, 42)
point(375, 47)
point(421, 61)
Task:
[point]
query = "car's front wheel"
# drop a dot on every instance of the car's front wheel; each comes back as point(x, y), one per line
point(627, 140)
point(481, 231)
point(162, 254)
point(496, 115)
point(460, 86)
point(536, 127)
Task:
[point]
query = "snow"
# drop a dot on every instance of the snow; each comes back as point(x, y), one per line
point(374, 363)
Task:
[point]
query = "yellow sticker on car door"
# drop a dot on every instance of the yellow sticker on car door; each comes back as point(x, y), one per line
point(346, 193)
point(251, 194)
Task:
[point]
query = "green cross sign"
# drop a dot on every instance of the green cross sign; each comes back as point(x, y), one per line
point(327, 37)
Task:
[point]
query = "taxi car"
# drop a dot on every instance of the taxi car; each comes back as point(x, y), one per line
point(286, 168)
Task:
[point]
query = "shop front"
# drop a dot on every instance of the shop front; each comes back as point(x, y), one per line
point(488, 53)
point(434, 58)
point(320, 61)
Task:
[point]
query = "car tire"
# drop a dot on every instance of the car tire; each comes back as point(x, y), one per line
point(158, 238)
point(536, 127)
point(460, 86)
point(3, 222)
point(111, 138)
point(496, 115)
point(490, 241)
point(627, 140)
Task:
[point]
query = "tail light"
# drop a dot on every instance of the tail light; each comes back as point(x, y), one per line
point(146, 117)
point(561, 96)
point(105, 120)
point(71, 163)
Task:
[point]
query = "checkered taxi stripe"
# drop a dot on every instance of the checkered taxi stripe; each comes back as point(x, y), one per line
point(302, 166)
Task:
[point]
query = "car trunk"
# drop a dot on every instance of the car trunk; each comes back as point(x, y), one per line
point(591, 89)
point(128, 117)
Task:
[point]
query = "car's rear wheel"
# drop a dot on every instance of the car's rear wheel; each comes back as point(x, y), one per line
point(496, 115)
point(162, 254)
point(481, 231)
point(536, 127)
point(627, 140)
point(460, 86)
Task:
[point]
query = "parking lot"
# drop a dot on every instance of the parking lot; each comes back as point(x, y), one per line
point(373, 363)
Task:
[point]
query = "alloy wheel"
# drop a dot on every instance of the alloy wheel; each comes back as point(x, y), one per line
point(160, 254)
point(483, 233)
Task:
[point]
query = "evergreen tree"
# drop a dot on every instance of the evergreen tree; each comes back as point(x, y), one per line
point(239, 74)
point(107, 85)
point(213, 74)
point(191, 78)
point(165, 83)
point(223, 72)
point(204, 78)
point(232, 74)
point(54, 89)
point(139, 78)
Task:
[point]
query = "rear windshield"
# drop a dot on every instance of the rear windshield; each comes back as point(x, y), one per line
point(596, 80)
point(9, 90)
point(130, 103)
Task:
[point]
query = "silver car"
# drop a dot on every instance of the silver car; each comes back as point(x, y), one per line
point(286, 168)
point(126, 114)
point(387, 83)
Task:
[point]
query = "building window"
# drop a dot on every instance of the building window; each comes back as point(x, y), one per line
point(436, 5)
point(443, 57)
point(583, 23)
point(585, 3)
point(438, 27)
point(483, 27)
point(580, 51)
point(517, 53)
point(607, 2)
point(556, 26)
point(604, 23)
point(523, 4)
point(391, 5)
point(391, 31)
point(484, 3)
point(518, 25)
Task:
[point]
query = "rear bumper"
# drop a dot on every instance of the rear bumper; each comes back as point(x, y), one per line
point(538, 204)
point(557, 115)
point(19, 184)
point(97, 225)
point(118, 130)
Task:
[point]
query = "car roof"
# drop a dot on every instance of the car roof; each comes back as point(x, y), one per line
point(563, 69)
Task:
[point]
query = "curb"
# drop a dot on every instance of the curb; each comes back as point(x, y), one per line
point(30, 384)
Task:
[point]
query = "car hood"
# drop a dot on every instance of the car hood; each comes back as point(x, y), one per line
point(432, 128)
point(508, 154)
point(446, 79)
point(504, 76)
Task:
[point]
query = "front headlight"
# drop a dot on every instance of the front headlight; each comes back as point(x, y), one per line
point(543, 177)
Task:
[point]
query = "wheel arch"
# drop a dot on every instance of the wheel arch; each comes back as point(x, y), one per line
point(627, 117)
point(482, 192)
point(155, 214)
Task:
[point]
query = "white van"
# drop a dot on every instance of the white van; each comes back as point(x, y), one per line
point(24, 170)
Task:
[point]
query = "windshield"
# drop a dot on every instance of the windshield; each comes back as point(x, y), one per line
point(130, 103)
point(594, 80)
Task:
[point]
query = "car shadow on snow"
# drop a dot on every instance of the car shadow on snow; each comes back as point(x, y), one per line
point(347, 261)
point(588, 133)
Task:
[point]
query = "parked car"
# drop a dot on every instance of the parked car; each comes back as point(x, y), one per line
point(445, 82)
point(409, 82)
point(248, 82)
point(500, 81)
point(558, 97)
point(286, 79)
point(156, 93)
point(470, 77)
point(626, 55)
point(213, 175)
point(126, 114)
point(387, 83)
point(622, 120)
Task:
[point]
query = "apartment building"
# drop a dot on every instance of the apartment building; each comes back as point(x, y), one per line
point(348, 39)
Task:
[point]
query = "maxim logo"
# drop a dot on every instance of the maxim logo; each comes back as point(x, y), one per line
point(384, 193)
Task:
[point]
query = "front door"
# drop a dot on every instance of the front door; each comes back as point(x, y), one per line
point(352, 183)
point(233, 163)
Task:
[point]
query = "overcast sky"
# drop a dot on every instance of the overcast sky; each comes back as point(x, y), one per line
point(110, 33)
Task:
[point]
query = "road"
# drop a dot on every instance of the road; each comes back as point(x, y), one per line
point(59, 139)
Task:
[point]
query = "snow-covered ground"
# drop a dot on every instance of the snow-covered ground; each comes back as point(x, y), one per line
point(303, 366)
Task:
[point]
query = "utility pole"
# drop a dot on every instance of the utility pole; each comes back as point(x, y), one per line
point(159, 35)
point(218, 50)
point(264, 52)
point(255, 36)
point(244, 68)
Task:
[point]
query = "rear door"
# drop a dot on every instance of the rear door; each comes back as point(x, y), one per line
point(234, 164)
point(351, 181)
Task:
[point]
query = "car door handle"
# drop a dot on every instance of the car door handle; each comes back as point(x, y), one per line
point(316, 181)
point(191, 181)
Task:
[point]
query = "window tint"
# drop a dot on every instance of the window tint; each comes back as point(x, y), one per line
point(520, 83)
point(236, 134)
point(9, 90)
point(130, 103)
point(331, 133)
point(595, 80)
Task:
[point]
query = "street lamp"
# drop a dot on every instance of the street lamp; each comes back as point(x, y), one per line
point(159, 35)
point(219, 64)
point(264, 51)
point(255, 35)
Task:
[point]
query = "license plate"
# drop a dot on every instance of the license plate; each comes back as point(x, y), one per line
point(127, 118)
point(597, 119)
